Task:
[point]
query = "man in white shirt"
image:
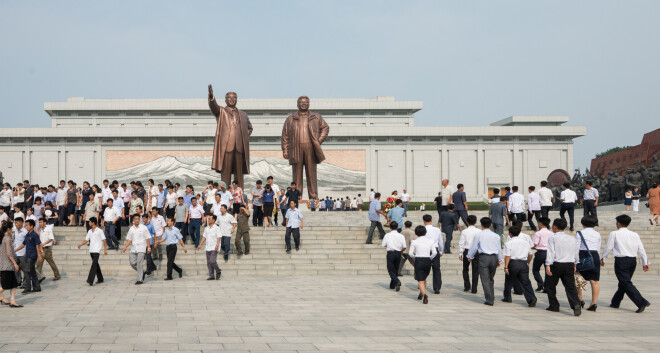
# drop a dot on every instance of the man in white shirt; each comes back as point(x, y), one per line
point(405, 198)
point(395, 244)
point(106, 191)
point(212, 238)
point(516, 204)
point(372, 195)
point(60, 200)
point(625, 245)
point(158, 222)
point(533, 206)
point(138, 236)
point(464, 244)
point(118, 203)
point(96, 240)
point(3, 215)
point(447, 193)
point(435, 234)
point(209, 196)
point(488, 245)
point(5, 198)
point(19, 237)
point(194, 220)
point(276, 192)
point(546, 199)
point(560, 263)
point(227, 225)
point(215, 208)
point(47, 238)
point(111, 217)
point(568, 199)
point(517, 256)
point(226, 197)
point(590, 199)
point(294, 223)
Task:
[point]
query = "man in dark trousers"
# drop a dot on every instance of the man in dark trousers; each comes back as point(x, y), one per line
point(449, 220)
point(517, 256)
point(460, 203)
point(33, 253)
point(625, 245)
point(560, 263)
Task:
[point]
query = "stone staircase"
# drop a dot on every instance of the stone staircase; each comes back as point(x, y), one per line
point(333, 243)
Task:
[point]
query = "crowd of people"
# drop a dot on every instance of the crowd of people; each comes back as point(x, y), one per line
point(152, 215)
point(166, 213)
point(573, 260)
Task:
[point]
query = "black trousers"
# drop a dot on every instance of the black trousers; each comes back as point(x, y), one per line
point(545, 210)
point(95, 269)
point(296, 237)
point(515, 216)
point(519, 272)
point(437, 275)
point(406, 257)
point(537, 265)
point(374, 225)
point(151, 266)
point(570, 208)
point(537, 215)
point(624, 268)
point(590, 208)
point(258, 218)
point(171, 255)
point(393, 263)
point(466, 271)
point(31, 277)
point(565, 272)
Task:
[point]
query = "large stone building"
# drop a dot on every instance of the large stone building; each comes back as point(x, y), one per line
point(373, 143)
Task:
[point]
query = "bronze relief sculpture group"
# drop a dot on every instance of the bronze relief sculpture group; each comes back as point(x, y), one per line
point(302, 136)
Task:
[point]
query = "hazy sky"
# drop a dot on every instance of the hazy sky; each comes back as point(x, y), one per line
point(471, 62)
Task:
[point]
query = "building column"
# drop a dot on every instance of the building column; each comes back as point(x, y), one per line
point(409, 170)
point(481, 173)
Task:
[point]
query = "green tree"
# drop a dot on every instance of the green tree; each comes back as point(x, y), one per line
point(611, 150)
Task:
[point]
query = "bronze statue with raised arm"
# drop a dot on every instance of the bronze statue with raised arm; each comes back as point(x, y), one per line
point(231, 151)
point(302, 136)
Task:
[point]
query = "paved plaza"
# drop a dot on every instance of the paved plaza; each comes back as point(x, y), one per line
point(314, 313)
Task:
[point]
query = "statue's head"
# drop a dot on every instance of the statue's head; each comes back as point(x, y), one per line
point(231, 98)
point(303, 103)
point(628, 170)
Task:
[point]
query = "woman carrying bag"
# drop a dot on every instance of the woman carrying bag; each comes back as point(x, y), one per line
point(589, 241)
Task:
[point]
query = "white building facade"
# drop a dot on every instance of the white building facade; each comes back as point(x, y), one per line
point(373, 143)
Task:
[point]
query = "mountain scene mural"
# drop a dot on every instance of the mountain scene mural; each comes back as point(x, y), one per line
point(196, 171)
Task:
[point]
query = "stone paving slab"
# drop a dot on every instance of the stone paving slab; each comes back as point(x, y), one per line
point(312, 314)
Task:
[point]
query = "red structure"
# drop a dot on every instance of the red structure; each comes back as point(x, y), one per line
point(628, 158)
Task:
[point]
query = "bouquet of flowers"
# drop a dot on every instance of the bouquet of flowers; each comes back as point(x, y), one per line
point(309, 204)
point(388, 206)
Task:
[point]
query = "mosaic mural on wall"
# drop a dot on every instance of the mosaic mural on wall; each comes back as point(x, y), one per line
point(341, 174)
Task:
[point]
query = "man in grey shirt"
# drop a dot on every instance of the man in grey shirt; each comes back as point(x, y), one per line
point(498, 213)
point(180, 215)
point(257, 205)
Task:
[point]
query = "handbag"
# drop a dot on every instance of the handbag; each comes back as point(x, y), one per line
point(586, 263)
point(523, 217)
point(580, 282)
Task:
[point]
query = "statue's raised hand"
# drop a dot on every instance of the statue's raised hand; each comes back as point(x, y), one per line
point(210, 92)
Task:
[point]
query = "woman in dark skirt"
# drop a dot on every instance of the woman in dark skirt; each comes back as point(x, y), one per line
point(8, 266)
point(269, 204)
point(422, 250)
point(592, 240)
